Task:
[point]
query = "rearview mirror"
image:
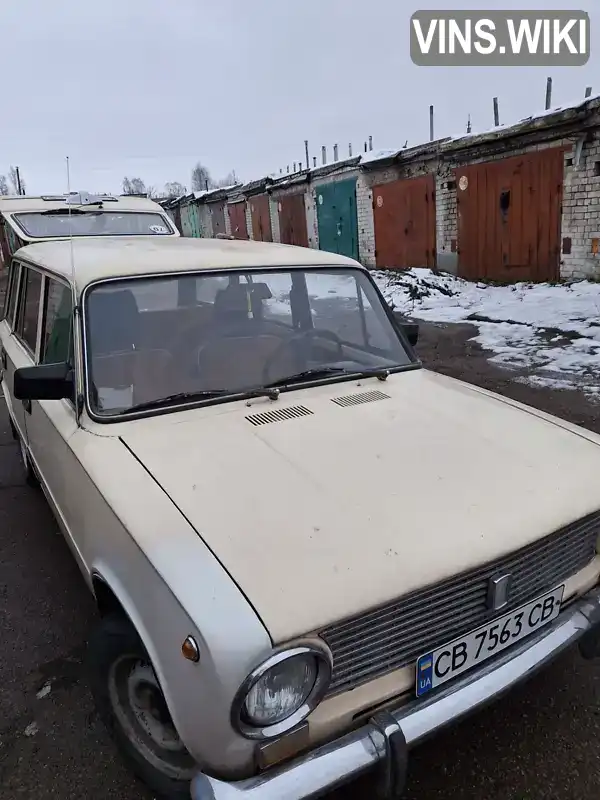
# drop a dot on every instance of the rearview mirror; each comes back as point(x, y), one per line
point(411, 329)
point(44, 382)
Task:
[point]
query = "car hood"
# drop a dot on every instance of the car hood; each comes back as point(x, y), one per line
point(318, 516)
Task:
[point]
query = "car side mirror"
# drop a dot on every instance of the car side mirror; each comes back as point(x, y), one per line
point(411, 329)
point(44, 382)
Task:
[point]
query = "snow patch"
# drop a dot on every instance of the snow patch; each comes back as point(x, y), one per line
point(551, 330)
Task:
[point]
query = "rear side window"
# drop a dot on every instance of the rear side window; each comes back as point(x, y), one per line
point(57, 331)
point(12, 292)
point(27, 318)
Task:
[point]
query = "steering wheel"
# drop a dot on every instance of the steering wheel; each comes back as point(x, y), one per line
point(309, 333)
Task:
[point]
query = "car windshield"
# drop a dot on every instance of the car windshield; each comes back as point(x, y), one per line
point(44, 224)
point(150, 340)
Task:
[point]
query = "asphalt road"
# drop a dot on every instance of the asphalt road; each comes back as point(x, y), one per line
point(542, 742)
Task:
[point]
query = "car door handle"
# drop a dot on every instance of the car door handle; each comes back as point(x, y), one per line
point(27, 405)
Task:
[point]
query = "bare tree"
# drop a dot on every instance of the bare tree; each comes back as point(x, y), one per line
point(201, 178)
point(4, 185)
point(17, 183)
point(228, 180)
point(133, 186)
point(175, 189)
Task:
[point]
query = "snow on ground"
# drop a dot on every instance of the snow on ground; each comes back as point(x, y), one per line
point(552, 332)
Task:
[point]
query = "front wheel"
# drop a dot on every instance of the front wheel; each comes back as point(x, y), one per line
point(131, 704)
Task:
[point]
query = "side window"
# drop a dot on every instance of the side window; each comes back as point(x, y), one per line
point(14, 292)
point(57, 327)
point(5, 282)
point(27, 317)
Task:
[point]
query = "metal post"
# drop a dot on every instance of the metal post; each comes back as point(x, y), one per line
point(370, 142)
point(324, 154)
point(18, 174)
point(469, 124)
point(350, 149)
point(496, 113)
point(548, 93)
point(314, 162)
point(431, 124)
point(588, 91)
point(306, 153)
point(294, 166)
point(335, 152)
point(365, 147)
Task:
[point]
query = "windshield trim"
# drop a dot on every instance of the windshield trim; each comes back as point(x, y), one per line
point(21, 231)
point(125, 416)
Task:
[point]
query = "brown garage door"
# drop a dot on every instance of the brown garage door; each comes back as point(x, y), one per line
point(404, 216)
point(292, 220)
point(237, 218)
point(261, 218)
point(509, 218)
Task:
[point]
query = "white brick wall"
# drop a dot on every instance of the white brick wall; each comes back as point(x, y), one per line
point(446, 220)
point(312, 225)
point(274, 211)
point(581, 212)
point(227, 220)
point(249, 219)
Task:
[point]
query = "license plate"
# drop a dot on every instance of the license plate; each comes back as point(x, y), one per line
point(472, 649)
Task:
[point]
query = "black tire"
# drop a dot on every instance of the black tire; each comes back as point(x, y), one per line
point(113, 643)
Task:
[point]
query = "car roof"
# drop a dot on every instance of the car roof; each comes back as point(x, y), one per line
point(101, 258)
point(15, 204)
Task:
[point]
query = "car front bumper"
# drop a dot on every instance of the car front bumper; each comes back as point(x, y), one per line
point(383, 743)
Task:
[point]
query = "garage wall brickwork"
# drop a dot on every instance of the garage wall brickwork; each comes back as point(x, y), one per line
point(249, 220)
point(274, 213)
point(581, 212)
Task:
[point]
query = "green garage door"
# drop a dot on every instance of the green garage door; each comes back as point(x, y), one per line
point(336, 216)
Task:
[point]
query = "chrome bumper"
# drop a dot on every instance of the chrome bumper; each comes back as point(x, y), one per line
point(385, 740)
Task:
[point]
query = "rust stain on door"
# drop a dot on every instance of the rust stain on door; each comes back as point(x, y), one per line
point(260, 212)
point(217, 214)
point(292, 220)
point(404, 217)
point(509, 218)
point(237, 218)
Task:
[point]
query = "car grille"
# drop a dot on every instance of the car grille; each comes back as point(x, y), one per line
point(395, 635)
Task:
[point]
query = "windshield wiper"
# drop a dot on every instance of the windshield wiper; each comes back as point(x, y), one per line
point(324, 372)
point(208, 394)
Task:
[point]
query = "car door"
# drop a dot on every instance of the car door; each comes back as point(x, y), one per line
point(51, 423)
point(20, 345)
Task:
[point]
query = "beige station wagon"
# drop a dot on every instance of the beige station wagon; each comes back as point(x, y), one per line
point(308, 552)
point(37, 218)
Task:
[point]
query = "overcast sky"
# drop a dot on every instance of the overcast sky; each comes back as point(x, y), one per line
point(146, 88)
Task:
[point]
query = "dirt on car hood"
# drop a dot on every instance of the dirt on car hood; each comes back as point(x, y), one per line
point(325, 514)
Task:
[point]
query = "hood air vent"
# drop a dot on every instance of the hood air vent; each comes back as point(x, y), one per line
point(358, 399)
point(278, 415)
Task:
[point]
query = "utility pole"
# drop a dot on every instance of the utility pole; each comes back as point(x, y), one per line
point(19, 187)
point(306, 153)
point(548, 93)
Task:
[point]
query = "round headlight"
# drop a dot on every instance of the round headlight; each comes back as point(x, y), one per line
point(282, 691)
